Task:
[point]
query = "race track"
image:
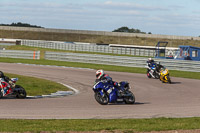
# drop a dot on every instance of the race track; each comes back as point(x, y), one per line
point(153, 98)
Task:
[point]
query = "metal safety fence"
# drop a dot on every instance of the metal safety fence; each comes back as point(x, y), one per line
point(181, 65)
point(88, 47)
point(20, 54)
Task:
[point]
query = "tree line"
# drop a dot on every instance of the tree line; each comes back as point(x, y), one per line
point(19, 24)
point(128, 30)
point(121, 29)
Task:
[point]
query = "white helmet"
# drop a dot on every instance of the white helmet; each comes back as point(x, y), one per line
point(99, 74)
point(149, 59)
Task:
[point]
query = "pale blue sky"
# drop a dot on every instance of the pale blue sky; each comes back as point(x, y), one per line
point(168, 17)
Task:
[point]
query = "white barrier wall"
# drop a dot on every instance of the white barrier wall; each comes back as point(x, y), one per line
point(20, 54)
point(171, 64)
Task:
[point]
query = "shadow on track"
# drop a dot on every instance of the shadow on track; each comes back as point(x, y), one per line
point(176, 83)
point(136, 103)
point(139, 103)
point(4, 98)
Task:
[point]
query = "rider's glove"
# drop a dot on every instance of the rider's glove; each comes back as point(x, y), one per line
point(116, 84)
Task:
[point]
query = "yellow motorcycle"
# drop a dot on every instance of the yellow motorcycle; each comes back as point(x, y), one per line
point(164, 75)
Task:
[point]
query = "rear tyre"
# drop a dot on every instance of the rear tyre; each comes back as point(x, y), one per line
point(130, 99)
point(157, 76)
point(103, 100)
point(21, 94)
point(1, 94)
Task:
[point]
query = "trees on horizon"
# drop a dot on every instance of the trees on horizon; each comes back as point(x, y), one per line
point(127, 30)
point(20, 24)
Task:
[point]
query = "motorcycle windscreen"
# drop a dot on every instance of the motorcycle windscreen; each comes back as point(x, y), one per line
point(113, 96)
point(98, 85)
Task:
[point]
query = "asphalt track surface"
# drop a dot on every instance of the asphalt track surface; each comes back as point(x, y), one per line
point(153, 98)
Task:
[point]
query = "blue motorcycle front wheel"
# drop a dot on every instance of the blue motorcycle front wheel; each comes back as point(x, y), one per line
point(101, 99)
point(130, 99)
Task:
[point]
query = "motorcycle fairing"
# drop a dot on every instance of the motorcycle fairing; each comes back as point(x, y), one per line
point(108, 88)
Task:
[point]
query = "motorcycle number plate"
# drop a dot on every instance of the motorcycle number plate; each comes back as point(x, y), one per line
point(109, 90)
point(164, 72)
point(120, 100)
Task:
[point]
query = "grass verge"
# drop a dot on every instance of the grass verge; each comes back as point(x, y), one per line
point(37, 86)
point(111, 125)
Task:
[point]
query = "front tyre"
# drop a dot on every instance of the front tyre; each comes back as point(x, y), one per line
point(130, 99)
point(169, 80)
point(21, 93)
point(148, 74)
point(157, 76)
point(101, 99)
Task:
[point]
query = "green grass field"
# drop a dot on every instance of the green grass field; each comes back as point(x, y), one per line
point(37, 86)
point(111, 125)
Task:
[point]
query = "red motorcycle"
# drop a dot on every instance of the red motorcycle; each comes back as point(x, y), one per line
point(8, 90)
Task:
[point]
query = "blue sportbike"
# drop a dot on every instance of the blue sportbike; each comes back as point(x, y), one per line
point(105, 92)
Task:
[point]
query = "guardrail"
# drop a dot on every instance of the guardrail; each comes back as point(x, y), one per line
point(88, 47)
point(193, 66)
point(95, 48)
point(20, 54)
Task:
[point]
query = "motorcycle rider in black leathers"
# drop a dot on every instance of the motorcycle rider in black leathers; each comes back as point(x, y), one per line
point(101, 76)
point(150, 63)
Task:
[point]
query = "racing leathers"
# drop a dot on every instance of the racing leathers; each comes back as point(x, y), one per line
point(7, 79)
point(150, 64)
point(107, 78)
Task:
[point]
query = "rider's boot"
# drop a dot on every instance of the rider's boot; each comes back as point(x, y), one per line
point(12, 85)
